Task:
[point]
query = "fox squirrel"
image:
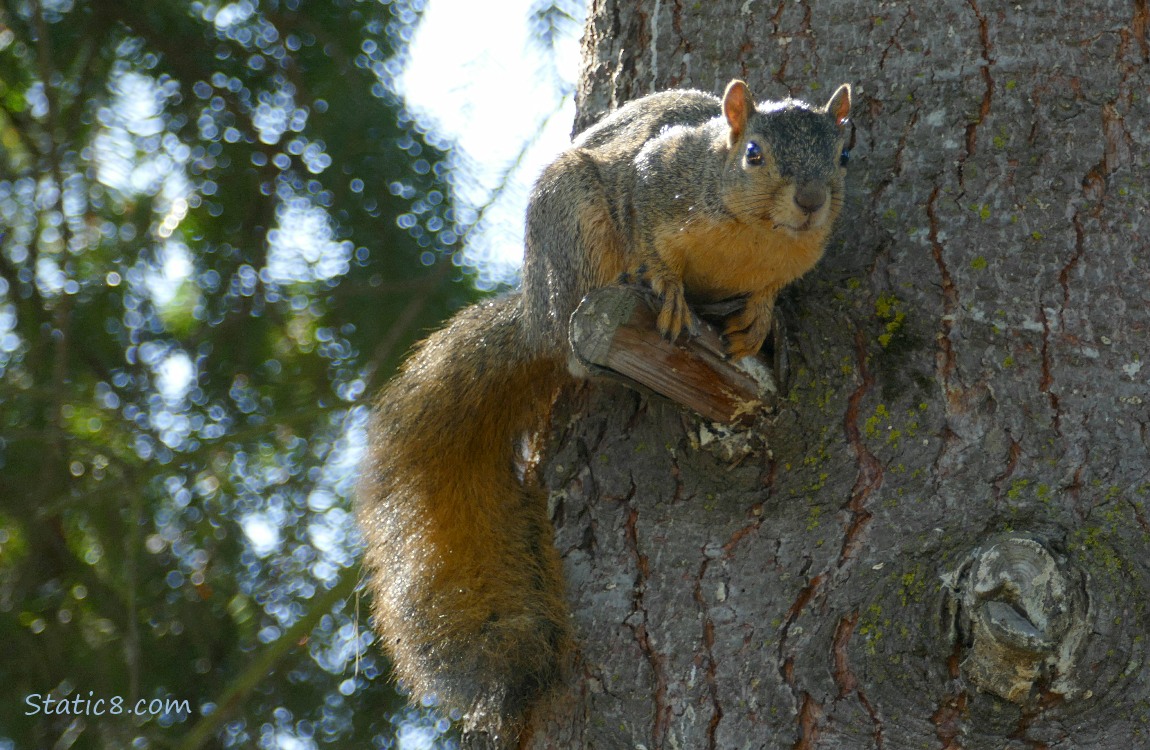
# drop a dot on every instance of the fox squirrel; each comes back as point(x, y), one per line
point(697, 196)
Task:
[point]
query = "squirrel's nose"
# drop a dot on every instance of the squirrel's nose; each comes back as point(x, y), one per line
point(810, 196)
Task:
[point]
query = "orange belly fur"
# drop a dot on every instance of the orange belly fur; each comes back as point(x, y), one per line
point(726, 259)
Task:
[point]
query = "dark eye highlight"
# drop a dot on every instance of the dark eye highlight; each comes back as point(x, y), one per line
point(845, 157)
point(754, 153)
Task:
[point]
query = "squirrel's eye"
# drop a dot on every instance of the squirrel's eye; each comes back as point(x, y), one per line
point(845, 157)
point(754, 153)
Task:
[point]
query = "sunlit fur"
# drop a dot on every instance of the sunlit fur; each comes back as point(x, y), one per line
point(467, 586)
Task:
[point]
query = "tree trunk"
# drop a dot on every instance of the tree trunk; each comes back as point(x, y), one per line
point(940, 537)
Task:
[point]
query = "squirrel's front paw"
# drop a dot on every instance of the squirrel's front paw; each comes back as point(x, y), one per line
point(746, 332)
point(674, 315)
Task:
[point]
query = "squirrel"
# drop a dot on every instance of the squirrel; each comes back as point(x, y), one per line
point(699, 197)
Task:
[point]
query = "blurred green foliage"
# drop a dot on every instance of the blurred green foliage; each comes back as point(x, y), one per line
point(218, 232)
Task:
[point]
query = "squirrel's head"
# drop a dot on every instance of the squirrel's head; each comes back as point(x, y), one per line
point(786, 160)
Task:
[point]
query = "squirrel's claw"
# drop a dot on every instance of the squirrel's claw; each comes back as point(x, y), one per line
point(742, 344)
point(745, 332)
point(674, 316)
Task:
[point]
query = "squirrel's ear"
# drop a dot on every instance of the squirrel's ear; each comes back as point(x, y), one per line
point(839, 105)
point(737, 107)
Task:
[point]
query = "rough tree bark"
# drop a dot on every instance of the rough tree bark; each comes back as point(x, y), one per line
point(941, 540)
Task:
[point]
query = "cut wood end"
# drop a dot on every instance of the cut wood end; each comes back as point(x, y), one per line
point(613, 333)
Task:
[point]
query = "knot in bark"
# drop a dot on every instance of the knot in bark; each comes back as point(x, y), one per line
point(1021, 614)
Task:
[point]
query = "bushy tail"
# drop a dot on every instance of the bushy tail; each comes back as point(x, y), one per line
point(468, 592)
